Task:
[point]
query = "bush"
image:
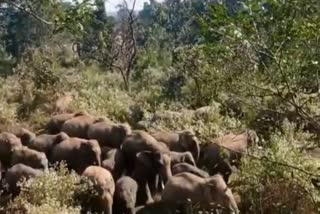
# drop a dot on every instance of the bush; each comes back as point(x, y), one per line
point(53, 192)
point(268, 187)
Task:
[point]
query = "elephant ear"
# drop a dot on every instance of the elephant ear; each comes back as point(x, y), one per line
point(61, 137)
point(189, 142)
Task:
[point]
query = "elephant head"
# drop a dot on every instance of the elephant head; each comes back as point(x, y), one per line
point(189, 142)
point(26, 136)
point(122, 130)
point(92, 152)
point(148, 166)
point(60, 137)
point(29, 157)
point(216, 190)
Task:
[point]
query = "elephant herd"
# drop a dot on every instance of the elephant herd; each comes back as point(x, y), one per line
point(132, 170)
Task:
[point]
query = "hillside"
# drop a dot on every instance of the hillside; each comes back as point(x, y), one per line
point(213, 68)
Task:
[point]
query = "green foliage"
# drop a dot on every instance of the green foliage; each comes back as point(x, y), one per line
point(267, 186)
point(213, 68)
point(261, 51)
point(54, 191)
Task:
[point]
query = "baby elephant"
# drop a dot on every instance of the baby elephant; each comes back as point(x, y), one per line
point(204, 191)
point(25, 135)
point(104, 185)
point(182, 157)
point(16, 173)
point(45, 142)
point(29, 157)
point(77, 153)
point(125, 196)
point(8, 142)
point(185, 167)
point(113, 160)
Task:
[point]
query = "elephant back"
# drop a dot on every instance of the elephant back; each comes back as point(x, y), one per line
point(78, 126)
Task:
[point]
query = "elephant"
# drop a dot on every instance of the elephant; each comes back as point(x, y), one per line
point(1, 171)
point(148, 166)
point(125, 196)
point(45, 142)
point(16, 173)
point(185, 167)
point(29, 157)
point(182, 157)
point(108, 133)
point(139, 141)
point(56, 121)
point(203, 191)
point(113, 160)
point(162, 207)
point(104, 185)
point(78, 153)
point(26, 136)
point(8, 142)
point(225, 152)
point(182, 141)
point(78, 126)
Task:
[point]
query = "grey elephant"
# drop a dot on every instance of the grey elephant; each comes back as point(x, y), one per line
point(108, 133)
point(113, 160)
point(78, 126)
point(16, 173)
point(182, 141)
point(139, 141)
point(148, 166)
point(8, 142)
point(181, 157)
point(45, 142)
point(55, 123)
point(225, 152)
point(77, 153)
point(125, 196)
point(207, 192)
point(29, 157)
point(185, 167)
point(104, 185)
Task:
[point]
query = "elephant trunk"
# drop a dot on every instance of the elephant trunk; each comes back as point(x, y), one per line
point(196, 151)
point(166, 174)
point(98, 159)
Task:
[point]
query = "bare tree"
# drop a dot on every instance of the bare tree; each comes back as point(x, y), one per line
point(125, 46)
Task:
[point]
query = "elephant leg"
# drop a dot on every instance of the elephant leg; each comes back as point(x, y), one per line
point(106, 203)
point(224, 167)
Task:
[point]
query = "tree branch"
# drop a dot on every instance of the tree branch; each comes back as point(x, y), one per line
point(26, 10)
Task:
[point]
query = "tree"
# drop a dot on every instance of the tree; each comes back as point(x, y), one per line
point(96, 41)
point(125, 45)
point(268, 50)
point(30, 23)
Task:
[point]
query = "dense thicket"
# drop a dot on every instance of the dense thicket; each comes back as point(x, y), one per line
point(253, 63)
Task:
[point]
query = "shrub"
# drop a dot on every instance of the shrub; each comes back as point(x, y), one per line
point(53, 192)
point(268, 187)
